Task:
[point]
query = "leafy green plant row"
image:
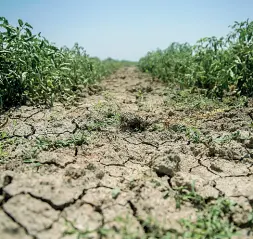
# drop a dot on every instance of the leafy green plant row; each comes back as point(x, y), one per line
point(218, 65)
point(34, 70)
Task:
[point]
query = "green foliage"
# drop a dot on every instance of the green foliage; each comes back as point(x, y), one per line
point(34, 70)
point(110, 65)
point(184, 194)
point(193, 134)
point(47, 144)
point(219, 65)
point(228, 138)
point(170, 64)
point(213, 222)
point(115, 193)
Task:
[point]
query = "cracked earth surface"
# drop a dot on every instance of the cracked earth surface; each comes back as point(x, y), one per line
point(115, 158)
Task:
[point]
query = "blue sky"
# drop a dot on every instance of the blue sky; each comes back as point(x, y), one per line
point(126, 29)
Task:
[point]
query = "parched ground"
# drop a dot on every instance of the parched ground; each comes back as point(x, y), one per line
point(130, 159)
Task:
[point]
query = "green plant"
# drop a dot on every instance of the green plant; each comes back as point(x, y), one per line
point(221, 66)
point(228, 138)
point(140, 95)
point(48, 144)
point(97, 125)
point(170, 64)
point(183, 194)
point(30, 156)
point(103, 115)
point(32, 70)
point(115, 193)
point(214, 222)
point(193, 134)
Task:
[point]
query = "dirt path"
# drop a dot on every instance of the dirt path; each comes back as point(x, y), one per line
point(111, 166)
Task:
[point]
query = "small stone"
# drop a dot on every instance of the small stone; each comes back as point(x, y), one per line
point(171, 113)
point(132, 122)
point(100, 174)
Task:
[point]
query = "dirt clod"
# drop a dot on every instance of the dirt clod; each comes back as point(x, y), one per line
point(132, 122)
point(167, 163)
point(34, 215)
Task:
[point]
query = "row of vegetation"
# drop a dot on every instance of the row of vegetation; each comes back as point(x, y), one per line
point(217, 65)
point(34, 70)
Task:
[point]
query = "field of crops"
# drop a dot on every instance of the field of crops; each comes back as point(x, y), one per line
point(32, 70)
point(109, 149)
point(35, 71)
point(217, 65)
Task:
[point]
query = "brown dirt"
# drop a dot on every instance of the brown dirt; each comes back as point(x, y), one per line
point(115, 159)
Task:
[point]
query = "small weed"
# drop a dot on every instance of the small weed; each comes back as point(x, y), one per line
point(193, 134)
point(183, 194)
point(156, 183)
point(250, 221)
point(3, 135)
point(30, 156)
point(109, 120)
point(91, 167)
point(115, 193)
point(228, 138)
point(140, 95)
point(213, 222)
point(180, 128)
point(102, 116)
point(48, 144)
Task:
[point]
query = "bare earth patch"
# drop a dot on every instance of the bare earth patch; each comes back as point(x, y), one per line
point(128, 161)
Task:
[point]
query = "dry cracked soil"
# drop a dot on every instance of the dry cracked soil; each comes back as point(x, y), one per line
point(130, 158)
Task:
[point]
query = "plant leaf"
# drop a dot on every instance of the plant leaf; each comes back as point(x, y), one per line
point(20, 22)
point(115, 193)
point(28, 25)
